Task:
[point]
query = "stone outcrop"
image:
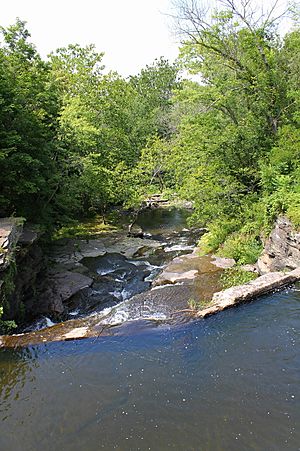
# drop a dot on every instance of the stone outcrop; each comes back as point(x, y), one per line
point(21, 261)
point(282, 248)
point(58, 289)
point(10, 231)
point(251, 290)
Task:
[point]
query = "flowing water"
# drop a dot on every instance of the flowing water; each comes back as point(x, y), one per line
point(227, 383)
point(230, 382)
point(118, 279)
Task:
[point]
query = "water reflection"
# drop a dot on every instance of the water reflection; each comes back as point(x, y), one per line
point(226, 383)
point(16, 367)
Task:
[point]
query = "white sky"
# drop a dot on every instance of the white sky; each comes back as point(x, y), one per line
point(132, 33)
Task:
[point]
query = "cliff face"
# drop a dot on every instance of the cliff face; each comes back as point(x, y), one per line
point(29, 284)
point(282, 248)
point(21, 262)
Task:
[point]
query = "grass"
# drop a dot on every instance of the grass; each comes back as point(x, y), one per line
point(236, 276)
point(85, 229)
point(195, 306)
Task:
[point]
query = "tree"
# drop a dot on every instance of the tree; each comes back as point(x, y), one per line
point(27, 125)
point(154, 87)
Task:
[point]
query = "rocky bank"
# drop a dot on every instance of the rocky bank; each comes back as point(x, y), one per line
point(281, 249)
point(186, 277)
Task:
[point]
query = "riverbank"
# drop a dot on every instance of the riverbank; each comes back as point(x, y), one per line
point(98, 283)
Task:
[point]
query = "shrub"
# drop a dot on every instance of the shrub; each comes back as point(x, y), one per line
point(218, 231)
point(245, 249)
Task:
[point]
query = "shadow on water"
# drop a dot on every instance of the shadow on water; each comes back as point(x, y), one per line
point(16, 367)
point(227, 383)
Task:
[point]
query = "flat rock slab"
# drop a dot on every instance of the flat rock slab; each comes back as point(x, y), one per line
point(73, 251)
point(186, 267)
point(223, 262)
point(251, 290)
point(129, 246)
point(174, 277)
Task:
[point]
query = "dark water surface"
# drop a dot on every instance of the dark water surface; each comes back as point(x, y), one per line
point(230, 382)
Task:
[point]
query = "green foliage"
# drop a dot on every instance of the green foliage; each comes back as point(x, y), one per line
point(293, 209)
point(245, 249)
point(218, 232)
point(7, 290)
point(74, 140)
point(70, 135)
point(236, 148)
point(85, 229)
point(195, 306)
point(6, 327)
point(236, 276)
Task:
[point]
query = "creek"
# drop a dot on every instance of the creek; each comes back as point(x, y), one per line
point(230, 382)
point(122, 277)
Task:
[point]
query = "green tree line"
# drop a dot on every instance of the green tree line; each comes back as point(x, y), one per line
point(235, 145)
point(71, 134)
point(75, 139)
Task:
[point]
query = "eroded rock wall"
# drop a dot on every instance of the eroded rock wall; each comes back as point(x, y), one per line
point(21, 262)
point(282, 248)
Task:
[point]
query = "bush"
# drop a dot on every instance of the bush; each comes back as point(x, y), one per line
point(218, 232)
point(245, 249)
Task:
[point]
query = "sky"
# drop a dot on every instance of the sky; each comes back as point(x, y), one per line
point(132, 33)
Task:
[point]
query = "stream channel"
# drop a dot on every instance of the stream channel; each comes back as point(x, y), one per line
point(230, 382)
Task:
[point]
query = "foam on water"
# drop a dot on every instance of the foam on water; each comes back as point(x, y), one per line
point(74, 313)
point(179, 247)
point(104, 272)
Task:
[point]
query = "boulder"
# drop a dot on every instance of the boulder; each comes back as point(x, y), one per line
point(61, 287)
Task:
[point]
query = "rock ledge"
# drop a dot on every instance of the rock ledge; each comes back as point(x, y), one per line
point(242, 293)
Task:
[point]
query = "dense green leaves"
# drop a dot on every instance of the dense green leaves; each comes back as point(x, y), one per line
point(71, 136)
point(236, 150)
point(75, 139)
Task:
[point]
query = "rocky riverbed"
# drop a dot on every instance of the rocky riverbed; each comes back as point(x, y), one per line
point(92, 286)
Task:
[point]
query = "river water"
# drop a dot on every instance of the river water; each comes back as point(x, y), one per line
point(230, 382)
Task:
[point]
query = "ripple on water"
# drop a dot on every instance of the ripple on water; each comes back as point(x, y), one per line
point(230, 382)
